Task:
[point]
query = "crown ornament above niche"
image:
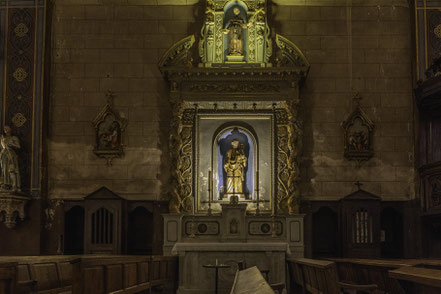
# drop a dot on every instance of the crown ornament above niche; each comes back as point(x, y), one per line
point(234, 34)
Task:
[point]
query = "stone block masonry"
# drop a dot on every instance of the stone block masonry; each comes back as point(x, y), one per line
point(115, 44)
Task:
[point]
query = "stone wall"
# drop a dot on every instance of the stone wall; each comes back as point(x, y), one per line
point(102, 44)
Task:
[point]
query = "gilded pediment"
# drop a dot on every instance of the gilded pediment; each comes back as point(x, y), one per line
point(235, 34)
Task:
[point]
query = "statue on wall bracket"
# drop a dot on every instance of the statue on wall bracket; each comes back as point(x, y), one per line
point(12, 200)
point(109, 128)
point(358, 134)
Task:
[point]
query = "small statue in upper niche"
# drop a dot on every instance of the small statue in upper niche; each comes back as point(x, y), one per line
point(10, 173)
point(234, 29)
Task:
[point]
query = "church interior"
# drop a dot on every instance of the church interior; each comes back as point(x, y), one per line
point(220, 146)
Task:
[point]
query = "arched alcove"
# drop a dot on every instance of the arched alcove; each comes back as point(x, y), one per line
point(391, 226)
point(325, 233)
point(74, 230)
point(140, 231)
point(222, 144)
point(235, 31)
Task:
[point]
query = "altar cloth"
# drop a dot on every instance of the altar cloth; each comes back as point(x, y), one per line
point(230, 246)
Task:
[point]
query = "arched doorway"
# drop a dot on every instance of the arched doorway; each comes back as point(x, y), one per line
point(391, 223)
point(74, 230)
point(325, 233)
point(140, 231)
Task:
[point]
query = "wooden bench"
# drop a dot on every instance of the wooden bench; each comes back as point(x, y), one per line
point(8, 277)
point(123, 274)
point(418, 280)
point(42, 274)
point(368, 271)
point(321, 277)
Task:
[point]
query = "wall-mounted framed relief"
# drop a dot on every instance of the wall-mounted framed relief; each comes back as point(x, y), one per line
point(358, 134)
point(109, 129)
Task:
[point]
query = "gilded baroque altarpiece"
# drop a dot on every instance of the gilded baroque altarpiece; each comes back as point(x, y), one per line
point(233, 80)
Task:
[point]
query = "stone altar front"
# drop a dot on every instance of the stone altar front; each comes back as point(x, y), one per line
point(231, 236)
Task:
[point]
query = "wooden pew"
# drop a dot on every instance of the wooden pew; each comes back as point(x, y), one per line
point(321, 277)
point(92, 274)
point(42, 274)
point(418, 280)
point(8, 277)
point(123, 274)
point(368, 271)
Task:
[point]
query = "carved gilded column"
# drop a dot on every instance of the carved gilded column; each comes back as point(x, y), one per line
point(181, 146)
point(288, 147)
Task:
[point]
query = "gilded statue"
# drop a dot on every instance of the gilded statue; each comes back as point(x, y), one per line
point(10, 173)
point(234, 29)
point(234, 166)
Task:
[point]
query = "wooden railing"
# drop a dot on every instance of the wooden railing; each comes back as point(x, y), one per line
point(87, 274)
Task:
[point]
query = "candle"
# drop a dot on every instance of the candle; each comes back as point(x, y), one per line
point(257, 181)
point(257, 193)
point(210, 177)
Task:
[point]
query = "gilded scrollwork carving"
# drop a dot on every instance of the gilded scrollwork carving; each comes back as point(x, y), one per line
point(289, 54)
point(182, 159)
point(288, 146)
point(179, 54)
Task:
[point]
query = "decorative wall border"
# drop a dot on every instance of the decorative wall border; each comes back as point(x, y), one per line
point(22, 50)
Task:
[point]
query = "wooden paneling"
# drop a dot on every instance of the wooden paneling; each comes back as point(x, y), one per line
point(123, 274)
point(8, 277)
point(88, 274)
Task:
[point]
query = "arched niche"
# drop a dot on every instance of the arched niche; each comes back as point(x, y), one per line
point(222, 144)
point(213, 141)
point(235, 31)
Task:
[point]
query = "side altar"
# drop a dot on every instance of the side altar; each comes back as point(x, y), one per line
point(230, 237)
point(235, 142)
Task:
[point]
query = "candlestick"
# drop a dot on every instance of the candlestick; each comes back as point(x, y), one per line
point(257, 193)
point(210, 188)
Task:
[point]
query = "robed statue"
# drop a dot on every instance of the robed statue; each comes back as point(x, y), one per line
point(10, 173)
point(235, 163)
point(234, 29)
